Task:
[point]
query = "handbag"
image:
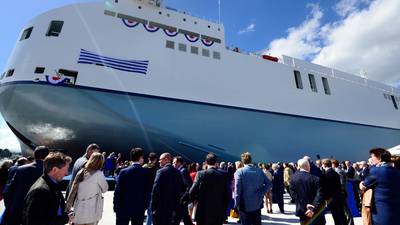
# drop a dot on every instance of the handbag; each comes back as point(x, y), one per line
point(234, 214)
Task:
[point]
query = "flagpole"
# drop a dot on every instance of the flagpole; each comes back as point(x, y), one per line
point(219, 11)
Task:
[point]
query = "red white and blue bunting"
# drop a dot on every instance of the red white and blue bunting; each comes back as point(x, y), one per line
point(191, 38)
point(151, 28)
point(56, 79)
point(207, 42)
point(170, 33)
point(130, 23)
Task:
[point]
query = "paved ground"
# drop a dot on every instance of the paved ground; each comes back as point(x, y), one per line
point(275, 218)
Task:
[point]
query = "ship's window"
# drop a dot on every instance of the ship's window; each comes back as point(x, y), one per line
point(297, 78)
point(394, 102)
point(216, 55)
point(71, 75)
point(184, 19)
point(26, 34)
point(170, 44)
point(55, 28)
point(109, 13)
point(205, 52)
point(10, 73)
point(39, 70)
point(195, 22)
point(326, 86)
point(209, 26)
point(139, 7)
point(182, 47)
point(159, 13)
point(2, 75)
point(313, 85)
point(194, 50)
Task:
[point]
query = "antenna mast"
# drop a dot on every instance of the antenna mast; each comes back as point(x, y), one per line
point(219, 11)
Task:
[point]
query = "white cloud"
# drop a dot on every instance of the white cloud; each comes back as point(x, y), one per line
point(302, 41)
point(250, 28)
point(346, 7)
point(363, 39)
point(367, 40)
point(8, 140)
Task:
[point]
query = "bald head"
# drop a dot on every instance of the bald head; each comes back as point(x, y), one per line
point(304, 164)
point(165, 158)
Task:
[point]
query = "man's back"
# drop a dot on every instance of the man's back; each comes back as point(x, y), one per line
point(250, 186)
point(331, 186)
point(24, 178)
point(167, 188)
point(133, 186)
point(212, 193)
point(305, 189)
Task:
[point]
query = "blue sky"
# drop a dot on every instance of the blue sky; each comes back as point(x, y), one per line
point(350, 35)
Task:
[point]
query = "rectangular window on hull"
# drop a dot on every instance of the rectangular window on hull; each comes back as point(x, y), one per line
point(26, 34)
point(10, 73)
point(313, 85)
point(70, 75)
point(394, 102)
point(55, 28)
point(326, 86)
point(194, 50)
point(170, 44)
point(2, 75)
point(39, 70)
point(205, 52)
point(182, 47)
point(297, 78)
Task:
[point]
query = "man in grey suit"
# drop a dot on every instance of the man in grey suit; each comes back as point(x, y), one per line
point(251, 184)
point(212, 193)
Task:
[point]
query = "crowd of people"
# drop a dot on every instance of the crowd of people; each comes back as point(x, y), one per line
point(167, 190)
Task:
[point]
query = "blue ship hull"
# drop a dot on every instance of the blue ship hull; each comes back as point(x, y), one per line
point(71, 117)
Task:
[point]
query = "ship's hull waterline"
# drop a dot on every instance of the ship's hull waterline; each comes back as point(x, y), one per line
point(71, 117)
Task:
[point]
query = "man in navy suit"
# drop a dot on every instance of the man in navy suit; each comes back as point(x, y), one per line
point(167, 189)
point(25, 176)
point(183, 213)
point(211, 191)
point(384, 179)
point(306, 191)
point(132, 192)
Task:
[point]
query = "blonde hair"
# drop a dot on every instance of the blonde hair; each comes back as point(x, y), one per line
point(95, 162)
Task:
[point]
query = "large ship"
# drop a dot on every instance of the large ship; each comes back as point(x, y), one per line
point(129, 73)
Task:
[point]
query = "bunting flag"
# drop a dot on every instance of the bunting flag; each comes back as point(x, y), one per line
point(191, 38)
point(207, 42)
point(151, 28)
point(170, 33)
point(134, 66)
point(130, 23)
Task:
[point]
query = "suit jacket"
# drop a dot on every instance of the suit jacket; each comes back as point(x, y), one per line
point(43, 204)
point(212, 193)
point(132, 192)
point(331, 186)
point(306, 189)
point(25, 176)
point(250, 186)
point(278, 187)
point(167, 189)
point(385, 180)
